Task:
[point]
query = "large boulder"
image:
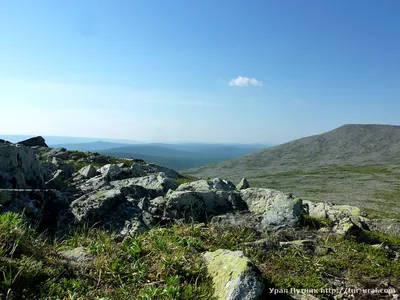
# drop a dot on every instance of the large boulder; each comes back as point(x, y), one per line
point(186, 205)
point(34, 141)
point(277, 208)
point(19, 167)
point(234, 276)
point(110, 171)
point(88, 171)
point(95, 206)
point(201, 205)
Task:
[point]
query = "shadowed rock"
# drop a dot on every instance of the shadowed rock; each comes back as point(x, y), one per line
point(34, 141)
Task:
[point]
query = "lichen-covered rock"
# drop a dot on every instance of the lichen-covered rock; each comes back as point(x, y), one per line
point(234, 276)
point(78, 257)
point(278, 209)
point(88, 171)
point(19, 168)
point(34, 141)
point(243, 184)
point(346, 228)
point(330, 211)
point(94, 206)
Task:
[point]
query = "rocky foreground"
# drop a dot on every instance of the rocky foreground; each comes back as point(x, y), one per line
point(80, 225)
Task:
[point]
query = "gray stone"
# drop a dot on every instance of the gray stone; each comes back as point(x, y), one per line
point(60, 153)
point(134, 227)
point(34, 141)
point(58, 181)
point(207, 185)
point(278, 209)
point(234, 276)
point(49, 167)
point(19, 167)
point(68, 168)
point(243, 184)
point(139, 169)
point(201, 205)
point(386, 226)
point(323, 210)
point(78, 257)
point(110, 171)
point(159, 182)
point(185, 204)
point(88, 171)
point(93, 184)
point(95, 206)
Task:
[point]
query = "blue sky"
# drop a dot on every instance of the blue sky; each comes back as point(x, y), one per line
point(202, 71)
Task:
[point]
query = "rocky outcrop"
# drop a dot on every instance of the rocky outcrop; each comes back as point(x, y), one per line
point(94, 206)
point(19, 167)
point(35, 141)
point(67, 167)
point(234, 276)
point(43, 206)
point(278, 209)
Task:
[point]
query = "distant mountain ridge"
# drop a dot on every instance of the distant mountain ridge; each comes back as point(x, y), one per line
point(348, 144)
point(176, 156)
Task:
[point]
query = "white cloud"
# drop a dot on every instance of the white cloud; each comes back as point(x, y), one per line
point(244, 82)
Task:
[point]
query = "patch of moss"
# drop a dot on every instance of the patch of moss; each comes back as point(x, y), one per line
point(185, 179)
point(314, 223)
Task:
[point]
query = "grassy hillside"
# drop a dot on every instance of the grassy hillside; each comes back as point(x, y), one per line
point(353, 164)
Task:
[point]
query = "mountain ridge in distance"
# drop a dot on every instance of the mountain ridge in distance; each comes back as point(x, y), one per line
point(347, 144)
